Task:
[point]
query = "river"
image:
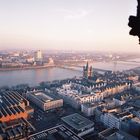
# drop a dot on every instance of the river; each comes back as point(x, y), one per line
point(35, 76)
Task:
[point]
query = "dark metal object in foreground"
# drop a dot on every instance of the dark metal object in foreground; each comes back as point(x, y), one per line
point(134, 23)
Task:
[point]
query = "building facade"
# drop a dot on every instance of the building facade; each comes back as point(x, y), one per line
point(44, 101)
point(38, 55)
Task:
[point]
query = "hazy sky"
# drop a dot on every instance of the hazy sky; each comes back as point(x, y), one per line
point(67, 24)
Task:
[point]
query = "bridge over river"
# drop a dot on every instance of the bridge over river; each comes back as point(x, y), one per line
point(101, 67)
point(79, 68)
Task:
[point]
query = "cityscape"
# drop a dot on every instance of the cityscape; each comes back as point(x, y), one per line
point(67, 73)
point(94, 103)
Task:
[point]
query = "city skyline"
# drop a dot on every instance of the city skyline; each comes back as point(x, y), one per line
point(69, 70)
point(67, 25)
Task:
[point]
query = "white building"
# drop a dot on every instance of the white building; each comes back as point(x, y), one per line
point(51, 61)
point(75, 98)
point(79, 124)
point(44, 101)
point(89, 108)
point(72, 93)
point(38, 55)
point(114, 119)
point(118, 102)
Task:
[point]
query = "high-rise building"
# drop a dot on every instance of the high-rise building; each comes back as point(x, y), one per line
point(38, 55)
point(87, 71)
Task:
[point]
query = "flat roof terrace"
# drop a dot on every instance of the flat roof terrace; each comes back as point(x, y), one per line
point(115, 134)
point(77, 121)
point(43, 97)
point(60, 132)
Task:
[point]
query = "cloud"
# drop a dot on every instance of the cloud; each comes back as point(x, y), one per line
point(75, 14)
point(89, 31)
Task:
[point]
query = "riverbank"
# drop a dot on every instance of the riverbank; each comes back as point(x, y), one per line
point(38, 67)
point(27, 68)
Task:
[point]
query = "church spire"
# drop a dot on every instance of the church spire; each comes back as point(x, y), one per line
point(87, 66)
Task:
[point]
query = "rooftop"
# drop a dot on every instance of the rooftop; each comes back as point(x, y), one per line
point(77, 121)
point(135, 103)
point(126, 96)
point(94, 104)
point(122, 114)
point(115, 134)
point(60, 132)
point(43, 97)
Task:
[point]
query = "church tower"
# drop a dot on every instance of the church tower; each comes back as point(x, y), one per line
point(87, 71)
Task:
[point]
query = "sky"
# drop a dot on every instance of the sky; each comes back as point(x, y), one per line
point(67, 25)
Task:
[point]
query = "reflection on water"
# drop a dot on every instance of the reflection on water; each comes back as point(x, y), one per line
point(35, 76)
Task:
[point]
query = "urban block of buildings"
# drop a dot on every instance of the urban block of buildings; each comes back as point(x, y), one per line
point(13, 106)
point(115, 134)
point(124, 117)
point(45, 101)
point(16, 129)
point(21, 60)
point(79, 124)
point(60, 132)
point(89, 108)
point(77, 94)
